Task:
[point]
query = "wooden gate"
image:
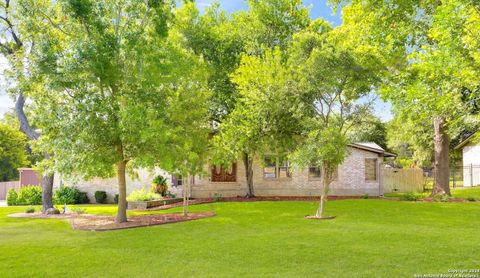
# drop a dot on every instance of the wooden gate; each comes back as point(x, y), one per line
point(403, 180)
point(5, 186)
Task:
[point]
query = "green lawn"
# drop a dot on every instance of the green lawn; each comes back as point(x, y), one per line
point(459, 192)
point(369, 238)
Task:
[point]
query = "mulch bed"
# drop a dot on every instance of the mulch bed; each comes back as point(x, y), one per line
point(91, 222)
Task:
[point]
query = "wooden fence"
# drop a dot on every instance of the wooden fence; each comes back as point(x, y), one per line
point(5, 186)
point(403, 180)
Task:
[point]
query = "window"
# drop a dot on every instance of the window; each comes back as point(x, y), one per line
point(273, 168)
point(220, 174)
point(177, 180)
point(370, 169)
point(314, 172)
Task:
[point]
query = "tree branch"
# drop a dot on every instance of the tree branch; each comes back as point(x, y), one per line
point(22, 118)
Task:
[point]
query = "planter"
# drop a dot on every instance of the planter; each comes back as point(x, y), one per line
point(154, 203)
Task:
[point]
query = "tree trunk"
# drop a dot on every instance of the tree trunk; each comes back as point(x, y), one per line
point(47, 189)
point(442, 170)
point(186, 191)
point(122, 193)
point(248, 163)
point(326, 180)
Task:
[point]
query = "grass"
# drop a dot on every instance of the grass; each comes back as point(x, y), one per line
point(459, 192)
point(369, 238)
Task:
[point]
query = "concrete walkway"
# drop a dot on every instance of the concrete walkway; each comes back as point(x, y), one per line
point(3, 203)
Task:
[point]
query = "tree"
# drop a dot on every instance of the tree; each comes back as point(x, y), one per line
point(116, 87)
point(308, 95)
point(16, 45)
point(370, 129)
point(222, 40)
point(12, 152)
point(426, 43)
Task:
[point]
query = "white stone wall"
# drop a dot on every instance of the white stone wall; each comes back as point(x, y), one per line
point(142, 179)
point(350, 181)
point(471, 165)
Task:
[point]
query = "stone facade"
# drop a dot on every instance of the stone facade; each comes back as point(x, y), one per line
point(350, 180)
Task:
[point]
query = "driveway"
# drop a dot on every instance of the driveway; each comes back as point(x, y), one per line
point(3, 203)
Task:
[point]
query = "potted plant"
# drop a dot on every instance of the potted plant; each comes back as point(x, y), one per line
point(159, 185)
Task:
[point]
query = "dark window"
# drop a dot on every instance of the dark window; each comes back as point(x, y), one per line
point(314, 172)
point(370, 169)
point(274, 168)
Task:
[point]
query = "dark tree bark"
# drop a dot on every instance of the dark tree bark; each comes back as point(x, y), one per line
point(248, 163)
point(122, 193)
point(26, 128)
point(442, 171)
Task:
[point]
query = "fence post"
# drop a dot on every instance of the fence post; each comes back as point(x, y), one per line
point(453, 175)
point(471, 174)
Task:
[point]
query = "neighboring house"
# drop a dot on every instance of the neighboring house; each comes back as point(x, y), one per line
point(471, 160)
point(361, 173)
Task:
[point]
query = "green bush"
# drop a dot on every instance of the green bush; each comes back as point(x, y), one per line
point(170, 195)
point(65, 195)
point(12, 197)
point(101, 197)
point(82, 198)
point(30, 210)
point(411, 196)
point(217, 197)
point(441, 198)
point(115, 199)
point(142, 195)
point(70, 195)
point(365, 196)
point(471, 199)
point(30, 195)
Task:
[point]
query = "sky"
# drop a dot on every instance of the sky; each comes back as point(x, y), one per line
point(319, 8)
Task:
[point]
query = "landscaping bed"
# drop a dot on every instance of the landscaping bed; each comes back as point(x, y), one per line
point(91, 222)
point(153, 203)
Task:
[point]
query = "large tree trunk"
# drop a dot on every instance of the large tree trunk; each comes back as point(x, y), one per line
point(47, 190)
point(442, 170)
point(122, 193)
point(26, 128)
point(248, 163)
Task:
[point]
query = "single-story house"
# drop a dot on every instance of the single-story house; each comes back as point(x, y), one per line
point(361, 173)
point(470, 160)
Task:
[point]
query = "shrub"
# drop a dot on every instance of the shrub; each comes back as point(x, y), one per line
point(82, 198)
point(217, 197)
point(365, 196)
point(170, 195)
point(12, 197)
point(70, 195)
point(159, 185)
point(441, 198)
point(78, 210)
point(30, 210)
point(142, 195)
point(100, 197)
point(115, 199)
point(30, 195)
point(65, 195)
point(471, 199)
point(411, 196)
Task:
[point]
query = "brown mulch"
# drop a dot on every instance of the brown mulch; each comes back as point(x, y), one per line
point(91, 222)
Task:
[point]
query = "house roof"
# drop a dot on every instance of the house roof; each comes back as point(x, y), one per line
point(372, 147)
point(466, 141)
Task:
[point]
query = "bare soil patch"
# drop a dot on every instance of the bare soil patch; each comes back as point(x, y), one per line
point(91, 222)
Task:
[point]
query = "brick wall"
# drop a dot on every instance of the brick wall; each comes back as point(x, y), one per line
point(350, 181)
